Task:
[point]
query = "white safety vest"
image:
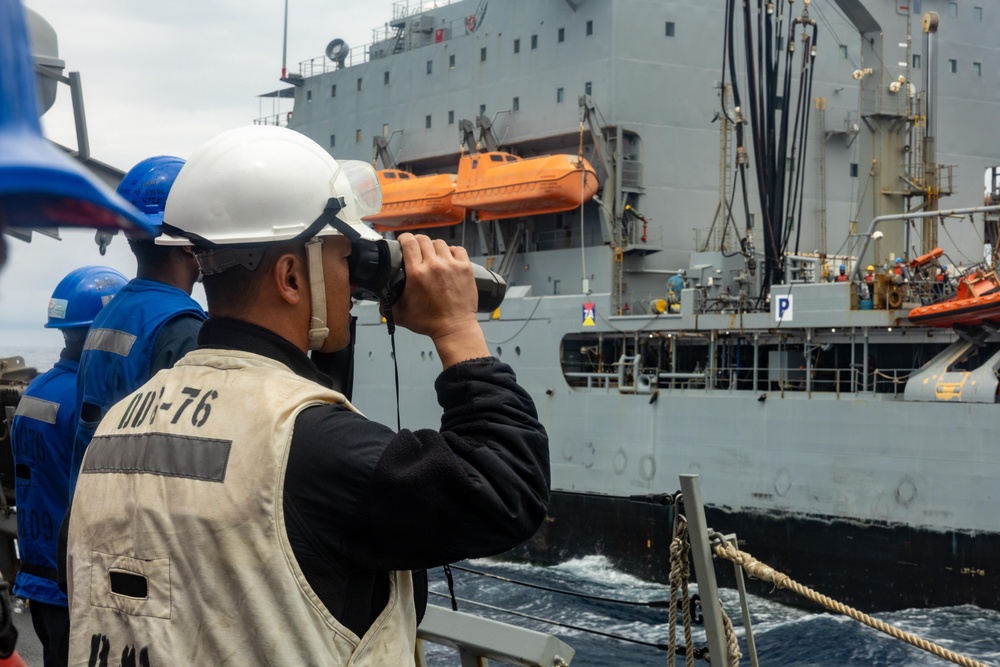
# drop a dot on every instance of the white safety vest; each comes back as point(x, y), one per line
point(177, 543)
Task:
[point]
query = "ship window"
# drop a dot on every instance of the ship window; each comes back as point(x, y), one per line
point(973, 358)
point(451, 61)
point(916, 61)
point(559, 95)
point(309, 96)
point(430, 66)
point(952, 65)
point(534, 41)
point(333, 90)
point(854, 170)
point(590, 28)
point(516, 104)
point(427, 121)
point(843, 51)
point(517, 46)
point(359, 83)
point(977, 14)
point(496, 158)
point(451, 117)
point(389, 174)
point(562, 35)
point(333, 140)
point(357, 136)
point(404, 177)
point(511, 158)
point(482, 109)
point(482, 55)
point(953, 8)
point(977, 69)
point(670, 28)
point(587, 88)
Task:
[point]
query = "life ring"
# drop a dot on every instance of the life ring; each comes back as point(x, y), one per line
point(288, 117)
point(470, 23)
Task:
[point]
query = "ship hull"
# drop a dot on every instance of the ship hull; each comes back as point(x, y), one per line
point(871, 566)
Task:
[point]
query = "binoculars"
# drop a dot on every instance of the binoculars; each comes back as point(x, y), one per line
point(378, 274)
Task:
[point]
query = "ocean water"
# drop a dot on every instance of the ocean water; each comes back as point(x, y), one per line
point(40, 357)
point(785, 636)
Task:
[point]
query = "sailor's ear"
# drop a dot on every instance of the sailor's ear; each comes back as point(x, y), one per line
point(290, 278)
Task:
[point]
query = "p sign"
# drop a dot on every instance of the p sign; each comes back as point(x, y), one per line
point(783, 308)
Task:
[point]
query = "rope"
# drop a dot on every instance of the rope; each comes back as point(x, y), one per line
point(732, 645)
point(894, 378)
point(680, 573)
point(758, 570)
point(583, 185)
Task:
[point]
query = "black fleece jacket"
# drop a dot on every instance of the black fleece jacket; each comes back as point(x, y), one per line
point(361, 499)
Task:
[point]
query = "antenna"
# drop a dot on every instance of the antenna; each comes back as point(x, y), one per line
point(337, 51)
point(284, 45)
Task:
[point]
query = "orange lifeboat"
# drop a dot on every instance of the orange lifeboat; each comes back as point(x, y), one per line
point(499, 185)
point(926, 259)
point(416, 202)
point(977, 300)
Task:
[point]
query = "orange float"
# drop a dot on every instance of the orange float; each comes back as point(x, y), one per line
point(927, 258)
point(499, 185)
point(415, 202)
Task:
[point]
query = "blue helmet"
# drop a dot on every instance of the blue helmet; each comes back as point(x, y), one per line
point(81, 294)
point(843, 268)
point(944, 267)
point(899, 260)
point(147, 185)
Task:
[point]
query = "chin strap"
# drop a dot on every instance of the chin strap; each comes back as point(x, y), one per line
point(318, 331)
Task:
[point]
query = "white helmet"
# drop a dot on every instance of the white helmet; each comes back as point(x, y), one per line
point(262, 184)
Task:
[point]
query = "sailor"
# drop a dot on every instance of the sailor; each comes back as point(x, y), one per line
point(842, 275)
point(902, 269)
point(154, 321)
point(235, 510)
point(675, 286)
point(41, 441)
point(942, 282)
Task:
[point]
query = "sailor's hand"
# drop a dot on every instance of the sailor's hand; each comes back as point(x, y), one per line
point(440, 298)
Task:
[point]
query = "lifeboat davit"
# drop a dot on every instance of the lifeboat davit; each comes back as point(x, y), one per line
point(499, 185)
point(977, 300)
point(416, 202)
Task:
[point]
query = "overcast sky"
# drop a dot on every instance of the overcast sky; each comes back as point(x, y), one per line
point(160, 78)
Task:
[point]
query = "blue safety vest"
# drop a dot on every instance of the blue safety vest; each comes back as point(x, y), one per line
point(675, 284)
point(119, 350)
point(41, 439)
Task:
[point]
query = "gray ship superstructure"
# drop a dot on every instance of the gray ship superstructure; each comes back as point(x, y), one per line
point(843, 445)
